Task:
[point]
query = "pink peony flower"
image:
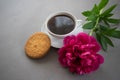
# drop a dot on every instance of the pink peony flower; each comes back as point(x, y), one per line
point(80, 54)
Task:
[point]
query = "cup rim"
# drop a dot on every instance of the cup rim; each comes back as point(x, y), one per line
point(60, 13)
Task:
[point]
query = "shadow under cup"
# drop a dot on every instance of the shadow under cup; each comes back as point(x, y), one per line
point(61, 24)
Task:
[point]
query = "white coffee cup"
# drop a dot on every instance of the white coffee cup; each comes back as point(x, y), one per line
point(77, 24)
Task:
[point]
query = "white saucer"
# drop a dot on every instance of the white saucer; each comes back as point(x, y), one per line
point(58, 42)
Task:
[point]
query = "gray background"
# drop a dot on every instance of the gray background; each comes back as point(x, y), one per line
point(21, 18)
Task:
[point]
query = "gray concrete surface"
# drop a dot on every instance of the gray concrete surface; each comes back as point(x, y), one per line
point(21, 18)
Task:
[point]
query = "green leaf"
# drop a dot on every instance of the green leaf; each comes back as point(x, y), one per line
point(86, 13)
point(106, 23)
point(89, 25)
point(92, 17)
point(108, 10)
point(112, 20)
point(98, 37)
point(103, 28)
point(95, 10)
point(115, 34)
point(94, 14)
point(103, 43)
point(109, 15)
point(108, 41)
point(101, 40)
point(107, 31)
point(105, 16)
point(102, 4)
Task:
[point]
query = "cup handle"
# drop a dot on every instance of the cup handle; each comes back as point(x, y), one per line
point(79, 22)
point(79, 27)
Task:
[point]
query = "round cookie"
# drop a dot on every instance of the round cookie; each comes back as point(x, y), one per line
point(37, 45)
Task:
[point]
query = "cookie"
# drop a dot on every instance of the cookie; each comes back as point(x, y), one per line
point(37, 45)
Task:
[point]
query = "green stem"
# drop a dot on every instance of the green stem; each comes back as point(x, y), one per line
point(96, 24)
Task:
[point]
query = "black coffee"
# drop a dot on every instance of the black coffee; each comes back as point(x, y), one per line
point(61, 24)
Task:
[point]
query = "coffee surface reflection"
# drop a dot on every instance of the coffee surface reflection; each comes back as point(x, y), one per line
point(61, 24)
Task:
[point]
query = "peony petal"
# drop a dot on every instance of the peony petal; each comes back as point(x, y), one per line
point(62, 51)
point(89, 61)
point(63, 61)
point(69, 56)
point(100, 58)
point(76, 49)
point(72, 69)
point(85, 54)
point(68, 39)
point(83, 38)
point(97, 46)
